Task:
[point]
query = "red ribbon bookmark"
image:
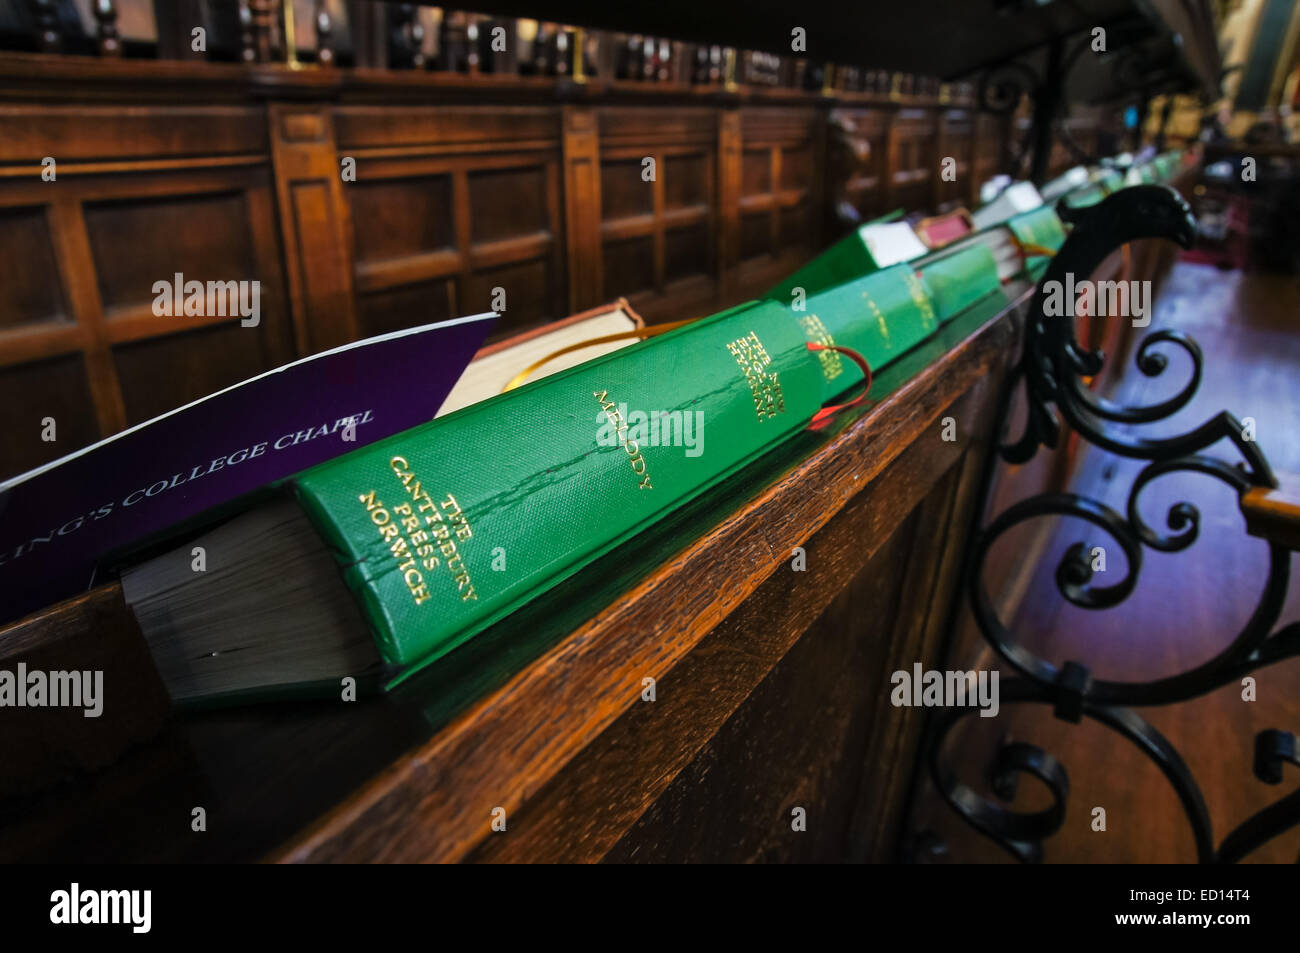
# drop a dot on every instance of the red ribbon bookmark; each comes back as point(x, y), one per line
point(823, 416)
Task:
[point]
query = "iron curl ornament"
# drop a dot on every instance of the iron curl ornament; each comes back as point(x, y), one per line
point(1051, 373)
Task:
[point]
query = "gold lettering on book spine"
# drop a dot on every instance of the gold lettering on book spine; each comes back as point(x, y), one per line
point(817, 332)
point(754, 360)
point(634, 455)
point(389, 523)
point(421, 534)
point(880, 317)
point(921, 300)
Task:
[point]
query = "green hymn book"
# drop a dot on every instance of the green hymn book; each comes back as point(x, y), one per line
point(975, 273)
point(445, 529)
point(847, 260)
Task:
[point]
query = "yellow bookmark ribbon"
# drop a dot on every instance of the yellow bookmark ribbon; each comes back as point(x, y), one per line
point(639, 333)
point(1031, 250)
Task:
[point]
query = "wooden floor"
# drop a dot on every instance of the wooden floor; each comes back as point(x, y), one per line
point(1186, 606)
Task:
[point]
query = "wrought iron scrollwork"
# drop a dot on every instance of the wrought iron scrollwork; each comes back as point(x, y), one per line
point(1051, 372)
point(1000, 89)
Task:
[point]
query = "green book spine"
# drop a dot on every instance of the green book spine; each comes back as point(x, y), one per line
point(957, 281)
point(845, 261)
point(881, 316)
point(842, 262)
point(1042, 227)
point(1112, 181)
point(1085, 196)
point(1167, 164)
point(447, 528)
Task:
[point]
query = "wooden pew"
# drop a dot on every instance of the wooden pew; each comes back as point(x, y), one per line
point(769, 616)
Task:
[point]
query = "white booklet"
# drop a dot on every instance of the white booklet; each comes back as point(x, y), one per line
point(891, 243)
point(1017, 198)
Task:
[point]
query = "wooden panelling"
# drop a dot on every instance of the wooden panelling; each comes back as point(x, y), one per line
point(687, 180)
point(659, 208)
point(687, 252)
point(315, 225)
point(88, 247)
point(197, 362)
point(756, 171)
point(81, 134)
point(530, 294)
point(202, 236)
point(29, 281)
point(623, 193)
point(913, 162)
point(956, 141)
point(733, 803)
point(582, 208)
point(38, 751)
point(57, 388)
point(629, 263)
point(730, 167)
point(426, 130)
point(990, 152)
point(779, 220)
point(407, 304)
point(397, 218)
point(456, 223)
point(508, 203)
point(756, 234)
point(858, 155)
point(624, 128)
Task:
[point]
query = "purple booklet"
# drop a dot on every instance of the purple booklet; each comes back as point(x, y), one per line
point(60, 522)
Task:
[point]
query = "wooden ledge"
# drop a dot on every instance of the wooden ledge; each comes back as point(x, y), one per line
point(44, 76)
point(1274, 514)
point(548, 699)
point(436, 802)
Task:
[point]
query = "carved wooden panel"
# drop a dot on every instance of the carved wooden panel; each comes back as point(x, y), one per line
point(729, 177)
point(82, 248)
point(956, 142)
point(314, 222)
point(913, 159)
point(813, 762)
point(989, 153)
point(30, 392)
point(88, 135)
point(858, 160)
point(29, 282)
point(201, 235)
point(449, 205)
point(582, 202)
point(658, 207)
point(780, 210)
